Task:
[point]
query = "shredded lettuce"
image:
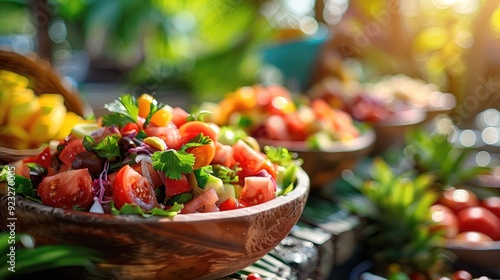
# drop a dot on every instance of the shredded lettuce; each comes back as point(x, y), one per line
point(134, 209)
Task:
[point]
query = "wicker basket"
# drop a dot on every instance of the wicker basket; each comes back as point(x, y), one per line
point(44, 79)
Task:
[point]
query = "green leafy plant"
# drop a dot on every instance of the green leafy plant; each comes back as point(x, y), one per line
point(397, 210)
point(433, 153)
point(30, 259)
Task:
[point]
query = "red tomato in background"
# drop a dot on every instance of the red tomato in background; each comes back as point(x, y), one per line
point(67, 189)
point(492, 203)
point(462, 275)
point(130, 187)
point(297, 129)
point(479, 219)
point(254, 276)
point(276, 129)
point(74, 147)
point(458, 199)
point(257, 190)
point(445, 220)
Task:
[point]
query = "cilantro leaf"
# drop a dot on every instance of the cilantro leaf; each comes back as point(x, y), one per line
point(108, 147)
point(118, 119)
point(198, 140)
point(173, 163)
point(123, 110)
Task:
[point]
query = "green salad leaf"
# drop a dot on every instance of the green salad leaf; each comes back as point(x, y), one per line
point(173, 163)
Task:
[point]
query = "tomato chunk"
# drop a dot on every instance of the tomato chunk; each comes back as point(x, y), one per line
point(67, 189)
point(232, 203)
point(175, 187)
point(130, 187)
point(68, 154)
point(248, 159)
point(205, 202)
point(257, 190)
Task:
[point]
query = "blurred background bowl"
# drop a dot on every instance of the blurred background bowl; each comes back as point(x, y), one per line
point(324, 165)
point(187, 246)
point(295, 59)
point(392, 132)
point(485, 255)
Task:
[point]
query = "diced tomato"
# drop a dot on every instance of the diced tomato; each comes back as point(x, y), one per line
point(248, 159)
point(131, 187)
point(67, 189)
point(74, 147)
point(223, 155)
point(231, 203)
point(169, 133)
point(129, 128)
point(257, 190)
point(180, 116)
point(192, 129)
point(155, 175)
point(202, 203)
point(175, 187)
point(43, 158)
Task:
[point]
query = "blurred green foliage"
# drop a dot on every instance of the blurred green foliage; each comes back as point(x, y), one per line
point(205, 47)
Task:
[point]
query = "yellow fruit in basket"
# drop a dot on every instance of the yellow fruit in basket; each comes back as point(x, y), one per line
point(13, 79)
point(14, 137)
point(49, 119)
point(5, 100)
point(24, 107)
point(72, 121)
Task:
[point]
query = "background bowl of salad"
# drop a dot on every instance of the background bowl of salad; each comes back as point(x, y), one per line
point(157, 193)
point(327, 139)
point(326, 162)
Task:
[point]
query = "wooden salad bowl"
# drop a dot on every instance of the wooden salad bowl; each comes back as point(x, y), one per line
point(326, 164)
point(187, 246)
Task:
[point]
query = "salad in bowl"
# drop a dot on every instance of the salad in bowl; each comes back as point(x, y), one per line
point(152, 159)
point(158, 193)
